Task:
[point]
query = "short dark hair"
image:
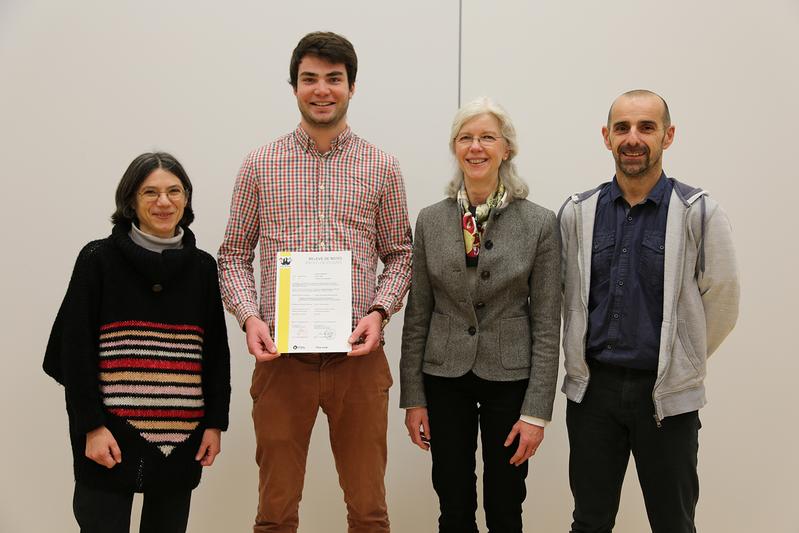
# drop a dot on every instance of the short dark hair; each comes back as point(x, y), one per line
point(646, 92)
point(326, 45)
point(134, 176)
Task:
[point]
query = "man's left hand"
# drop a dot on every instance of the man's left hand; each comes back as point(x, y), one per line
point(530, 437)
point(368, 332)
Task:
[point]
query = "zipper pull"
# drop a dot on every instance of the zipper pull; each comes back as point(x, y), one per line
point(657, 420)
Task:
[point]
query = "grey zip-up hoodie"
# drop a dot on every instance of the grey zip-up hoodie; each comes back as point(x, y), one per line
point(700, 294)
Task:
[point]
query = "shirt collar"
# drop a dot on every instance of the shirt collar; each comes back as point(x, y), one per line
point(655, 194)
point(308, 144)
point(615, 190)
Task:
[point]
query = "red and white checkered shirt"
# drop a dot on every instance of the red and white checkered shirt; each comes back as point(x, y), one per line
point(290, 197)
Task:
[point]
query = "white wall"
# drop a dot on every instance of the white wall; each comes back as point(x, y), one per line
point(87, 85)
point(729, 73)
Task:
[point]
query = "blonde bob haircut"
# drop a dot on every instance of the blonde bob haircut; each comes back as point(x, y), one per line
point(508, 174)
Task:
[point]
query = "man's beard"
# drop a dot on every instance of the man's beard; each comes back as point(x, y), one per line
point(634, 170)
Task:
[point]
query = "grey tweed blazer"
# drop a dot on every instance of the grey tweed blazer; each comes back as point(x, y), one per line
point(510, 330)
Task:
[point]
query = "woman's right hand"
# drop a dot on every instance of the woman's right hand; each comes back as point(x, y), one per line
point(102, 448)
point(418, 426)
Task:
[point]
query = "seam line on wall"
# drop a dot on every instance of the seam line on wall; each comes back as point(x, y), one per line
point(460, 45)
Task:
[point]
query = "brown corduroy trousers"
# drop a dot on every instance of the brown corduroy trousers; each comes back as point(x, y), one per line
point(353, 392)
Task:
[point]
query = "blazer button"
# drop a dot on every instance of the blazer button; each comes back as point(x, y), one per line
point(472, 330)
point(157, 287)
point(479, 305)
point(489, 245)
point(485, 274)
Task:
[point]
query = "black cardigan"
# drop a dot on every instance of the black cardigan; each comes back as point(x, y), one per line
point(140, 345)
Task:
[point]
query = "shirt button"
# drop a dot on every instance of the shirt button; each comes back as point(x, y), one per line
point(157, 287)
point(485, 274)
point(624, 250)
point(321, 187)
point(321, 216)
point(480, 305)
point(609, 346)
point(615, 315)
point(489, 245)
point(661, 247)
point(629, 219)
point(321, 245)
point(472, 330)
point(621, 283)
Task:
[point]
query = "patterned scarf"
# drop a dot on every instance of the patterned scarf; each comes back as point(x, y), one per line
point(475, 220)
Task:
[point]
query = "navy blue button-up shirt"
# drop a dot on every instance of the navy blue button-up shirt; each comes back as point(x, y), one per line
point(625, 305)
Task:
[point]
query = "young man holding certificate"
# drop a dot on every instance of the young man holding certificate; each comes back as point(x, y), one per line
point(321, 190)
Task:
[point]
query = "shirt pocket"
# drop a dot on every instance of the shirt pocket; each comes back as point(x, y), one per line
point(353, 201)
point(602, 256)
point(653, 247)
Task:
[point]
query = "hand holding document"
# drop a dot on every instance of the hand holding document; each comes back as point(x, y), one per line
point(313, 303)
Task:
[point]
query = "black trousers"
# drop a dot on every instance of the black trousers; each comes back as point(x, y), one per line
point(616, 417)
point(104, 511)
point(455, 407)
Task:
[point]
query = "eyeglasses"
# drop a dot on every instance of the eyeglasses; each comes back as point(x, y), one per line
point(175, 194)
point(482, 140)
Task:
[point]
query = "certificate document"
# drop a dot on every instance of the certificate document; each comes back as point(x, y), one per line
point(313, 301)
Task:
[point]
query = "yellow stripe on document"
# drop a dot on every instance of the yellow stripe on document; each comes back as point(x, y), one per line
point(283, 302)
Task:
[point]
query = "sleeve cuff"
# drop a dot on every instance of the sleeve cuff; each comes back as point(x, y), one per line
point(243, 311)
point(87, 422)
point(540, 422)
point(219, 422)
point(386, 304)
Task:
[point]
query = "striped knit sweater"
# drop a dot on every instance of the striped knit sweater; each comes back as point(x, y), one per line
point(151, 375)
point(141, 347)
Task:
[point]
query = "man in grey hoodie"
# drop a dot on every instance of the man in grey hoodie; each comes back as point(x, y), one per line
point(650, 291)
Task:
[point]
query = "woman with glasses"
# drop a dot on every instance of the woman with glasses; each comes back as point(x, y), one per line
point(140, 345)
point(480, 340)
